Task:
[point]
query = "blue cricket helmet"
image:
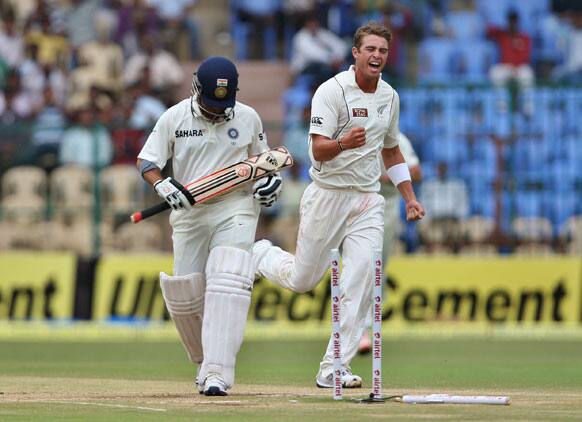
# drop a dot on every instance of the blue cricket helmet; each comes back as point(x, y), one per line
point(216, 82)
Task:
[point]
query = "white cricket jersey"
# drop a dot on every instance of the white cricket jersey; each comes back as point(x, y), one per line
point(339, 105)
point(410, 157)
point(199, 147)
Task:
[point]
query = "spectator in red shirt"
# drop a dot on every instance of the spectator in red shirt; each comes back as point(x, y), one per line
point(515, 54)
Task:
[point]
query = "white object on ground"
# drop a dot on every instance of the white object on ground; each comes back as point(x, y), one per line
point(447, 399)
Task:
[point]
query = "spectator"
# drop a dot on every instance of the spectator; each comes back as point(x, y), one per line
point(135, 20)
point(15, 103)
point(177, 19)
point(86, 143)
point(164, 69)
point(294, 13)
point(317, 52)
point(32, 75)
point(296, 135)
point(398, 19)
point(103, 57)
point(447, 202)
point(339, 16)
point(11, 43)
point(53, 48)
point(79, 21)
point(571, 70)
point(255, 21)
point(436, 56)
point(47, 131)
point(147, 108)
point(515, 53)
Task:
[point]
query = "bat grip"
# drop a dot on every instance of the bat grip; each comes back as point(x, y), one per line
point(136, 217)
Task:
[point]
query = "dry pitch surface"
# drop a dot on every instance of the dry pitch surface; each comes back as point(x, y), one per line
point(91, 399)
point(152, 381)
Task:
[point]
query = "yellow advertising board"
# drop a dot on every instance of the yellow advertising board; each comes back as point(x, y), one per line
point(496, 290)
point(493, 290)
point(418, 290)
point(37, 286)
point(128, 287)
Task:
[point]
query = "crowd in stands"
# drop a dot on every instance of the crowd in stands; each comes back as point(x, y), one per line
point(83, 81)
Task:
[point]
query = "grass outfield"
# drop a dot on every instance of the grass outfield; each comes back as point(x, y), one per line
point(151, 380)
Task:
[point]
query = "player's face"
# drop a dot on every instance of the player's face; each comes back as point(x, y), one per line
point(371, 57)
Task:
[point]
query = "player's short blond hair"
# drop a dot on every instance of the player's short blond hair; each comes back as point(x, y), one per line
point(371, 28)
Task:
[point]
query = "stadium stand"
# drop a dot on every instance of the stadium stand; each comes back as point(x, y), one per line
point(517, 149)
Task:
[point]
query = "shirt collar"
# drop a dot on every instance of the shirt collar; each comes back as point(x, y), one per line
point(353, 82)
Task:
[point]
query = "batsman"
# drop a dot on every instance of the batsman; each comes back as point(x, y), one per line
point(209, 294)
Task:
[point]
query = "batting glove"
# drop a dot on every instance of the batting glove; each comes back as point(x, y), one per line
point(174, 194)
point(266, 190)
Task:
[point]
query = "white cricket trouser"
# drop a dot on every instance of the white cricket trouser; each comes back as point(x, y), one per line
point(215, 239)
point(352, 221)
point(232, 221)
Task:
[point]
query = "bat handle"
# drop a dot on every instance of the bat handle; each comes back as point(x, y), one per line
point(136, 217)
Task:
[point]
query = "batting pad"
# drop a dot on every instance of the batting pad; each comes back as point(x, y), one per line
point(229, 275)
point(184, 297)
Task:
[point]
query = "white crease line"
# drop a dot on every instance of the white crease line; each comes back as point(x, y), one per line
point(153, 409)
point(218, 402)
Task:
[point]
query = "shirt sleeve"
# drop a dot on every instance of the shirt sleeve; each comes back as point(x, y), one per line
point(259, 137)
point(159, 145)
point(324, 110)
point(391, 138)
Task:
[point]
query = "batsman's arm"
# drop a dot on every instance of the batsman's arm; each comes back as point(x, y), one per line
point(151, 175)
point(215, 184)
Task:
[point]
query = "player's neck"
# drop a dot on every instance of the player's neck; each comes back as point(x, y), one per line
point(366, 84)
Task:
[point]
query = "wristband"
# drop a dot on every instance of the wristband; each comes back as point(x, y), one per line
point(339, 144)
point(399, 173)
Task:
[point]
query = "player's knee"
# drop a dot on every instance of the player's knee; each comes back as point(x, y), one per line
point(229, 268)
point(304, 281)
point(184, 294)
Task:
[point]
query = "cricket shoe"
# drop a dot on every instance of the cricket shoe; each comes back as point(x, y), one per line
point(365, 345)
point(260, 249)
point(214, 386)
point(349, 380)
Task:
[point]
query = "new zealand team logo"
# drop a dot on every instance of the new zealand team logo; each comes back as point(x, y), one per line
point(232, 133)
point(381, 109)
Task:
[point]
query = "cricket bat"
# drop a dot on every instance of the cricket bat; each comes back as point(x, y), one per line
point(228, 179)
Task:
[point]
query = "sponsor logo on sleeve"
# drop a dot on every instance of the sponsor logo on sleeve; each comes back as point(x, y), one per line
point(317, 121)
point(359, 112)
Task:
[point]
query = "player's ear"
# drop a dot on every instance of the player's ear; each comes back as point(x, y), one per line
point(355, 52)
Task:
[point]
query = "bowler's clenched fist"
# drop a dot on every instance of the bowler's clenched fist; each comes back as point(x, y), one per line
point(414, 211)
point(355, 138)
